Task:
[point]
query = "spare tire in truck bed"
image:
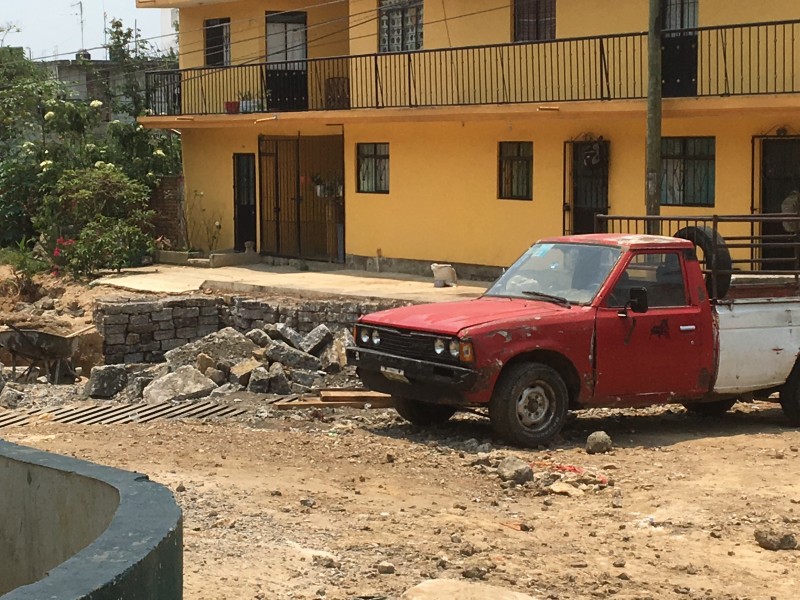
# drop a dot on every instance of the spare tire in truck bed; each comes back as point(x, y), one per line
point(717, 259)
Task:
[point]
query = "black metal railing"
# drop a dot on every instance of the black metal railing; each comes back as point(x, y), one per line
point(760, 58)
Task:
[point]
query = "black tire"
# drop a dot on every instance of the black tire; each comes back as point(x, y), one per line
point(703, 237)
point(423, 413)
point(790, 397)
point(710, 409)
point(515, 419)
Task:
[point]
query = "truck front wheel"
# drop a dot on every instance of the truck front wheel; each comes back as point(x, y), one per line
point(423, 413)
point(529, 404)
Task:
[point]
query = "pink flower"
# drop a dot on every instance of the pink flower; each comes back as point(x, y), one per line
point(57, 252)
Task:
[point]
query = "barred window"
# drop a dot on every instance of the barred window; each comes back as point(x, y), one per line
point(400, 25)
point(515, 175)
point(687, 171)
point(373, 168)
point(679, 14)
point(217, 42)
point(534, 20)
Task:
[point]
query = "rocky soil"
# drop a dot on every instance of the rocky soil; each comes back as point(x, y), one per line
point(357, 504)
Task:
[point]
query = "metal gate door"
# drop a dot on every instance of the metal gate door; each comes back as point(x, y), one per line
point(302, 197)
point(244, 200)
point(679, 48)
point(780, 176)
point(588, 185)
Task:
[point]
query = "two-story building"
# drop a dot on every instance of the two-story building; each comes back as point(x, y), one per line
point(463, 130)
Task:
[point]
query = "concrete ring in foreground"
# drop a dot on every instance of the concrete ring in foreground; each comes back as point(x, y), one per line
point(72, 530)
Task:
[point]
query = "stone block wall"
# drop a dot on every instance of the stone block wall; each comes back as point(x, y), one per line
point(142, 331)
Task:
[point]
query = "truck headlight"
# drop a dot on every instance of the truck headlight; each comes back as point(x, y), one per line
point(438, 346)
point(455, 348)
point(376, 337)
point(365, 335)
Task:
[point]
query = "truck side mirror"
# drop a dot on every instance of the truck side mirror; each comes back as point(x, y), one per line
point(638, 300)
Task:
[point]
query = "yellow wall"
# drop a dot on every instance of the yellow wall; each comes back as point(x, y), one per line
point(443, 201)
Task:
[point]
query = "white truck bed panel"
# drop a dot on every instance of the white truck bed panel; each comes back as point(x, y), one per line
point(759, 342)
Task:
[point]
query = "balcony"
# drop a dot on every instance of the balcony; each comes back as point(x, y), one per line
point(752, 59)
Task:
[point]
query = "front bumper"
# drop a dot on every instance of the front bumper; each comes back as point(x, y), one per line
point(411, 378)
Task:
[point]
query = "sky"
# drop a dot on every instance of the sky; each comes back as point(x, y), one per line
point(50, 27)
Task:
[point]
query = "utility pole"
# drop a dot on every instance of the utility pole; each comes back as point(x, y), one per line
point(653, 200)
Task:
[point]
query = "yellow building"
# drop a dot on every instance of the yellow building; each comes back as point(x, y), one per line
point(461, 131)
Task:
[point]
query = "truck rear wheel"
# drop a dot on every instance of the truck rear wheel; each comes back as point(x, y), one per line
point(529, 404)
point(708, 241)
point(423, 413)
point(790, 397)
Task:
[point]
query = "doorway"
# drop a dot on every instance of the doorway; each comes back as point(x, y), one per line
point(286, 70)
point(679, 48)
point(244, 200)
point(780, 176)
point(588, 185)
point(302, 197)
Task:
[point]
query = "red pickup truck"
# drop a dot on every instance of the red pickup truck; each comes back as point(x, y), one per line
point(600, 320)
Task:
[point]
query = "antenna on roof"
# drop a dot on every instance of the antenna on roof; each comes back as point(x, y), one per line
point(79, 4)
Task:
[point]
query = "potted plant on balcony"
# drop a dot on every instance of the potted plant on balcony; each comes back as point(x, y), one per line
point(232, 107)
point(248, 103)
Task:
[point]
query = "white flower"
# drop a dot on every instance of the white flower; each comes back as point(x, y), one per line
point(27, 145)
point(140, 128)
point(46, 164)
point(49, 115)
point(90, 147)
point(150, 174)
point(99, 164)
point(95, 104)
point(158, 152)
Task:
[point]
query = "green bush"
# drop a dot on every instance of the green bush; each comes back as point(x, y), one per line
point(24, 265)
point(108, 243)
point(82, 195)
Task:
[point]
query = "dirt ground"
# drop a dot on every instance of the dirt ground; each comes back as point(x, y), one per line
point(307, 504)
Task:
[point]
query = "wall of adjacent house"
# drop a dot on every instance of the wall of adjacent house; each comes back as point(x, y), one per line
point(443, 202)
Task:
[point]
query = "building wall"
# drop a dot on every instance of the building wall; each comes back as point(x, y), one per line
point(443, 202)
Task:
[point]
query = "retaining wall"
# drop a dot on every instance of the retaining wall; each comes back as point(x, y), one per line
point(142, 331)
point(73, 530)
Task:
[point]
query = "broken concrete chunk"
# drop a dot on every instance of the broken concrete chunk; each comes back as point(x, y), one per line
point(278, 382)
point(217, 376)
point(259, 380)
point(106, 381)
point(289, 357)
point(204, 362)
point(186, 383)
point(308, 379)
point(11, 398)
point(240, 372)
point(598, 442)
point(259, 337)
point(316, 340)
point(226, 344)
point(514, 469)
point(224, 390)
point(288, 335)
point(562, 488)
point(435, 589)
point(770, 539)
point(333, 356)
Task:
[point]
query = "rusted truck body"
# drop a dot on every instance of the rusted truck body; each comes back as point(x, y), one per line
point(600, 320)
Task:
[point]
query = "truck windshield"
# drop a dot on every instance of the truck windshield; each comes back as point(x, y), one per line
point(562, 273)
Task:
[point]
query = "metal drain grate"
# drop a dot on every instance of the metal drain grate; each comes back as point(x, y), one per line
point(117, 414)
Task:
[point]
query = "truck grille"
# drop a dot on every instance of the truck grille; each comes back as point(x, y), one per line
point(410, 344)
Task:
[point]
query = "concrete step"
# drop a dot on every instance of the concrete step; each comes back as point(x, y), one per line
point(200, 262)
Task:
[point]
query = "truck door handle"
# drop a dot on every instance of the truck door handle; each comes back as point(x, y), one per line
point(688, 328)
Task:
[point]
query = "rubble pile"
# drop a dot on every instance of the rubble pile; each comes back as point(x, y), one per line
point(274, 360)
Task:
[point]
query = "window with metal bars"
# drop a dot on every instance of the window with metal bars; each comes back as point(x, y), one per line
point(687, 171)
point(217, 42)
point(515, 171)
point(679, 14)
point(534, 20)
point(400, 28)
point(373, 168)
